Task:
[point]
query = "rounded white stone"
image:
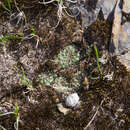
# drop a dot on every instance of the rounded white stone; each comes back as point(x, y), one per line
point(72, 100)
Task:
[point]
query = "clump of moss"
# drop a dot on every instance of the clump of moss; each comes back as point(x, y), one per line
point(47, 78)
point(96, 33)
point(76, 79)
point(62, 86)
point(67, 57)
point(59, 83)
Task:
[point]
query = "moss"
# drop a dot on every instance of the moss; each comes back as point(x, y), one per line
point(60, 83)
point(67, 57)
point(76, 80)
point(47, 78)
point(96, 33)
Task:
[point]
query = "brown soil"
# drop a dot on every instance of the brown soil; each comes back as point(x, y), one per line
point(40, 112)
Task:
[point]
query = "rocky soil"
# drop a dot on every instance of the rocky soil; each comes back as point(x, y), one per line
point(42, 63)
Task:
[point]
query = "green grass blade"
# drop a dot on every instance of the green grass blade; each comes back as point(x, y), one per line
point(17, 116)
point(97, 56)
point(5, 38)
point(24, 79)
point(12, 37)
point(5, 8)
point(9, 5)
point(9, 38)
point(89, 51)
point(3, 42)
point(16, 110)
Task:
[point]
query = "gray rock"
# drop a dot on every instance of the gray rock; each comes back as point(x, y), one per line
point(88, 17)
point(107, 6)
point(124, 45)
point(62, 109)
point(72, 100)
point(89, 13)
point(124, 39)
point(114, 49)
point(126, 6)
point(120, 40)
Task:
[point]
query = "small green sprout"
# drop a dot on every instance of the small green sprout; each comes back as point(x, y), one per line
point(9, 6)
point(24, 79)
point(16, 113)
point(33, 31)
point(89, 51)
point(16, 125)
point(6, 38)
point(97, 57)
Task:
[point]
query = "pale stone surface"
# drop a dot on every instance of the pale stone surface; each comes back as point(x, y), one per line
point(124, 45)
point(120, 40)
point(124, 39)
point(116, 30)
point(72, 100)
point(107, 6)
point(89, 17)
point(62, 109)
point(126, 6)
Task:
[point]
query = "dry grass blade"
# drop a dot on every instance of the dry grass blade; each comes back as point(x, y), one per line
point(94, 116)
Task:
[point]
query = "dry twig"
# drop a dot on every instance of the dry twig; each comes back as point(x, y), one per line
point(85, 128)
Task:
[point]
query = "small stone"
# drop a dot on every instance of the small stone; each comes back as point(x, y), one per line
point(109, 76)
point(62, 109)
point(72, 100)
point(126, 6)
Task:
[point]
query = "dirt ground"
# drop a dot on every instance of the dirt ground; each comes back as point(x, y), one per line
point(35, 55)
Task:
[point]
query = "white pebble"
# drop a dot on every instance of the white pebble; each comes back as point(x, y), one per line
point(72, 100)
